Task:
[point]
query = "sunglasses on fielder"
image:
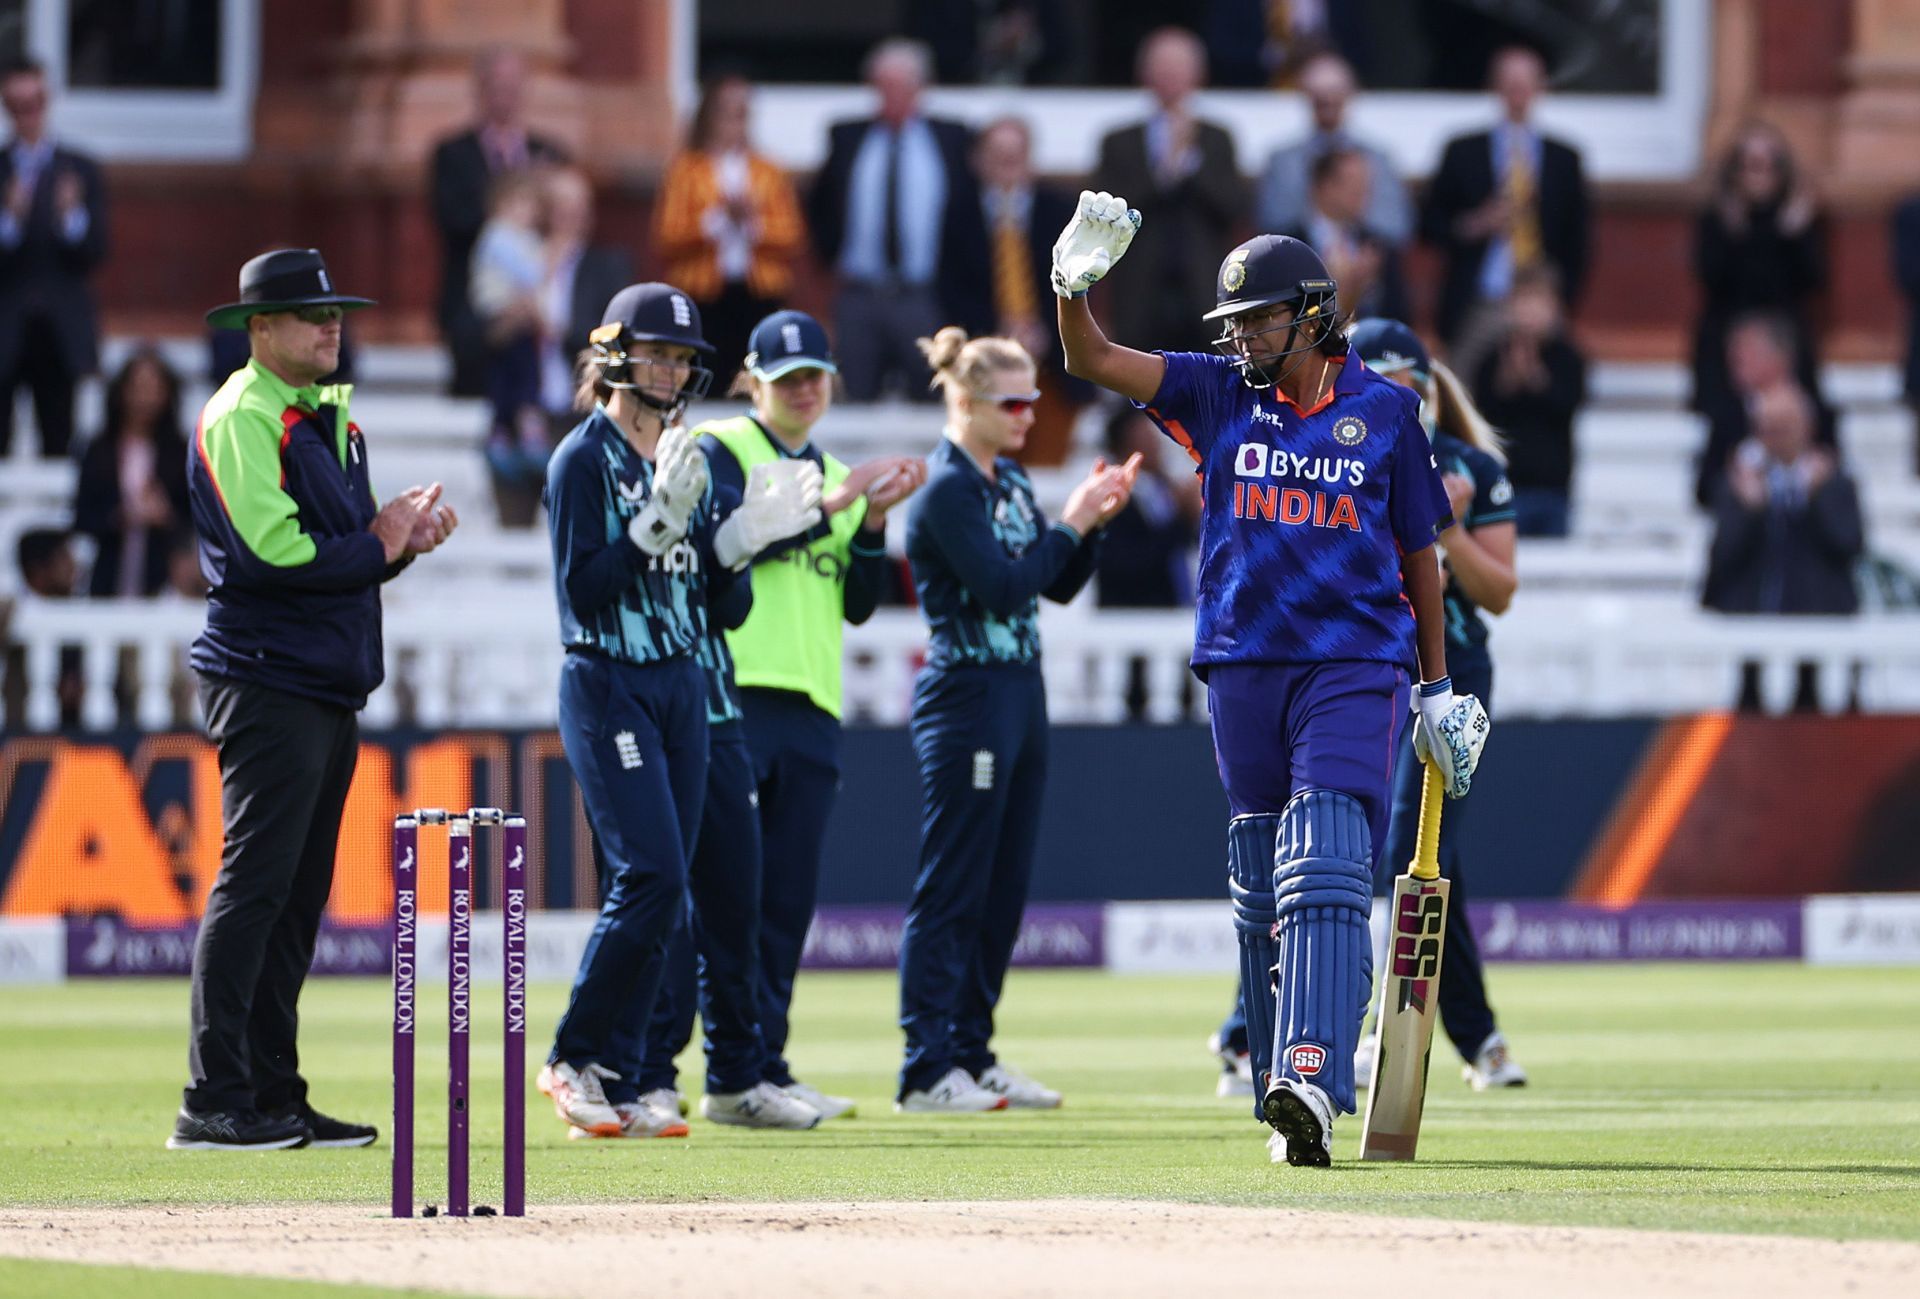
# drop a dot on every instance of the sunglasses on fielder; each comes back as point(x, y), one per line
point(1016, 403)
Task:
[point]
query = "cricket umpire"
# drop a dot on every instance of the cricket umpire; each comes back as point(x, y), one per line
point(294, 548)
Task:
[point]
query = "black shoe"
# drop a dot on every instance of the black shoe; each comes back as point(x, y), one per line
point(235, 1130)
point(324, 1133)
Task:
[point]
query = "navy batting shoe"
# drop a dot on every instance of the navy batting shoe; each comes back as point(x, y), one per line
point(1301, 1113)
point(235, 1130)
point(325, 1132)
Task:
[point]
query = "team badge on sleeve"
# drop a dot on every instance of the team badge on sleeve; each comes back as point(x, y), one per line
point(1349, 431)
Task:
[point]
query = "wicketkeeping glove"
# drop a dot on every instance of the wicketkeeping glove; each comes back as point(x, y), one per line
point(1097, 237)
point(679, 480)
point(782, 499)
point(1449, 731)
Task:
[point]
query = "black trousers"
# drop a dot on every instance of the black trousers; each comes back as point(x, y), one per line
point(285, 765)
point(41, 366)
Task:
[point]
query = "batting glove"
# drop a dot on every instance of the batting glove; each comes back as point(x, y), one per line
point(1449, 731)
point(679, 481)
point(782, 499)
point(1098, 236)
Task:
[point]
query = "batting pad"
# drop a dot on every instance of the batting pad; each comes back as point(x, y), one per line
point(1323, 894)
point(1250, 841)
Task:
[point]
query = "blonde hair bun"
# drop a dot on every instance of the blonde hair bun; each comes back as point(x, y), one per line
point(943, 349)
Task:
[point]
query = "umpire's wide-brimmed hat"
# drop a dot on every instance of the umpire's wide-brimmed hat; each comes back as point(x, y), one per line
point(282, 280)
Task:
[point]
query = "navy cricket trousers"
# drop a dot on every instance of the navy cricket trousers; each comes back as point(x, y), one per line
point(636, 738)
point(713, 960)
point(795, 747)
point(1464, 1011)
point(980, 736)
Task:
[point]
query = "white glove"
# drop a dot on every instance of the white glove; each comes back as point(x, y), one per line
point(1449, 732)
point(1097, 237)
point(782, 499)
point(679, 481)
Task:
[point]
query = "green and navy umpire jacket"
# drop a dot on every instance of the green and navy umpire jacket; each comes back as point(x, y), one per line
point(278, 480)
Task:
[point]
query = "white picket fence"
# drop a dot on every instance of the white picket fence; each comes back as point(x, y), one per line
point(494, 661)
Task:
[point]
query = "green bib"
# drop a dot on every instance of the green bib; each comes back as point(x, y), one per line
point(791, 639)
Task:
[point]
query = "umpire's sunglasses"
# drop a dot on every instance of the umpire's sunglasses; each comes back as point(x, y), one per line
point(1016, 403)
point(317, 315)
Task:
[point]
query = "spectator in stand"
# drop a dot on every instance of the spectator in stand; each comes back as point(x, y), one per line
point(1148, 557)
point(1024, 216)
point(1501, 201)
point(53, 236)
point(1787, 534)
point(132, 494)
point(1531, 383)
point(1273, 42)
point(1328, 83)
point(1180, 172)
point(1364, 263)
point(465, 167)
point(1759, 361)
point(998, 43)
point(1906, 265)
point(507, 285)
point(47, 570)
point(895, 211)
point(582, 277)
point(728, 223)
point(1760, 246)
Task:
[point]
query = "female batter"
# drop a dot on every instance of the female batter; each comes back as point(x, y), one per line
point(1319, 592)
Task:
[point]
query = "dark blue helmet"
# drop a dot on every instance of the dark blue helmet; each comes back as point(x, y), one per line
point(787, 341)
point(659, 313)
point(1270, 271)
point(1387, 346)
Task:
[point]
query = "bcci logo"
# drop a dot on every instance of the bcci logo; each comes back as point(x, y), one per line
point(1349, 432)
point(1235, 273)
point(1307, 1059)
point(1251, 462)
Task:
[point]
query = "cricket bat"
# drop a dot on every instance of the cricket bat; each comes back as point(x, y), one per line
point(1411, 997)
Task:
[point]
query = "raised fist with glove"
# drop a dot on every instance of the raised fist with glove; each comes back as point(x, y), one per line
point(679, 481)
point(782, 499)
point(1449, 731)
point(1097, 237)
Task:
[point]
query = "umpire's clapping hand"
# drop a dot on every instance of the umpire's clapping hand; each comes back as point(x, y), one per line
point(413, 523)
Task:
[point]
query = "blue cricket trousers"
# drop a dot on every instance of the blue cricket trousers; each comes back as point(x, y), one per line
point(636, 738)
point(1464, 1011)
point(980, 736)
point(713, 960)
point(795, 747)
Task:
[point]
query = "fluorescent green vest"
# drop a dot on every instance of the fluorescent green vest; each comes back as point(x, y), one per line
point(791, 640)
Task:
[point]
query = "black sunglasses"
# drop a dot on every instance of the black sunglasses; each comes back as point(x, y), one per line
point(322, 315)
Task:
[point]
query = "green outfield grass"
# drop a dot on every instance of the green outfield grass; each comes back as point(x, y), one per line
point(1764, 1098)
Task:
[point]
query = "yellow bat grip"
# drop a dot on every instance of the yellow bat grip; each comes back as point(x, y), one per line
point(1426, 848)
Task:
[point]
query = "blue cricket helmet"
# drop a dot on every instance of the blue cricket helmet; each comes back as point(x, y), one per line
point(658, 313)
point(1387, 346)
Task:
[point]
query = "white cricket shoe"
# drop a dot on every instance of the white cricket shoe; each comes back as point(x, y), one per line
point(1363, 1060)
point(957, 1093)
point(828, 1107)
point(760, 1106)
point(640, 1120)
point(1494, 1066)
point(667, 1104)
point(1276, 1148)
point(1022, 1092)
point(1236, 1070)
point(579, 1098)
point(1300, 1113)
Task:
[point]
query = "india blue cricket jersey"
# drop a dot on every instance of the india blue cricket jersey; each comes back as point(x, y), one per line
point(1307, 513)
point(615, 598)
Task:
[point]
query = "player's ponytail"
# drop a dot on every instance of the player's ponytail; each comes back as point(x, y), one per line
point(1454, 413)
point(592, 387)
point(963, 365)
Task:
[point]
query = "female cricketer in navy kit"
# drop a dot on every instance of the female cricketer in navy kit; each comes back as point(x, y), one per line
point(1319, 590)
point(634, 529)
point(982, 555)
point(1478, 550)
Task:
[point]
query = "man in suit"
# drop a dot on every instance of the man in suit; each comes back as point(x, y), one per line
point(1180, 172)
point(464, 169)
point(1024, 217)
point(895, 211)
point(1501, 200)
point(53, 234)
point(1361, 261)
point(1328, 84)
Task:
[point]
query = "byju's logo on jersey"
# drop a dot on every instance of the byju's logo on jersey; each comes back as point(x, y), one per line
point(1251, 462)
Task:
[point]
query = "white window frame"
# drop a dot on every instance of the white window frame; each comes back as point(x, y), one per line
point(1621, 137)
point(155, 125)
